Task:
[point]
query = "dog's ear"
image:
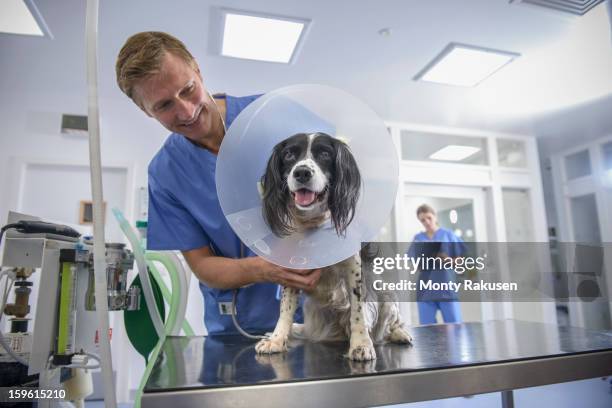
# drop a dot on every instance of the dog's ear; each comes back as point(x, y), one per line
point(346, 188)
point(369, 251)
point(275, 209)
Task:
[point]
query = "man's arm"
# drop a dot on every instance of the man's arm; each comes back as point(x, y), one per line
point(228, 273)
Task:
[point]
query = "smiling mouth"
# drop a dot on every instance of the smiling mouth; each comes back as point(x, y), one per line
point(304, 197)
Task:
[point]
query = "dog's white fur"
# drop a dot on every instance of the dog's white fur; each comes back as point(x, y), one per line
point(335, 311)
point(336, 308)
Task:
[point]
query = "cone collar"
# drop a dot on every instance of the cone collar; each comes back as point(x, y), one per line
point(278, 115)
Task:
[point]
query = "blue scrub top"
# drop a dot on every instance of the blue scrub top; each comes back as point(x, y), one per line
point(185, 214)
point(451, 245)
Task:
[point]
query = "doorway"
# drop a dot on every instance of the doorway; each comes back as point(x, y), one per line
point(460, 209)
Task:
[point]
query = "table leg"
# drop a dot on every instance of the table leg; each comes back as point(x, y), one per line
point(507, 399)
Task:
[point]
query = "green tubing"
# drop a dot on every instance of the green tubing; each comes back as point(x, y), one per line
point(172, 371)
point(147, 290)
point(173, 298)
point(149, 367)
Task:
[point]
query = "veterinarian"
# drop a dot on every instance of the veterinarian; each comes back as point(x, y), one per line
point(443, 243)
point(162, 77)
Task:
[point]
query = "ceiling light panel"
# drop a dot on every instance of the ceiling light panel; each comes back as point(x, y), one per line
point(577, 7)
point(261, 38)
point(464, 65)
point(21, 17)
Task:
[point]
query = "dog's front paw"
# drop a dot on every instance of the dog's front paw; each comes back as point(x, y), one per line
point(362, 352)
point(270, 346)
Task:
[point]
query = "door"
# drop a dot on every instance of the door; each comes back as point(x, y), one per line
point(585, 230)
point(460, 209)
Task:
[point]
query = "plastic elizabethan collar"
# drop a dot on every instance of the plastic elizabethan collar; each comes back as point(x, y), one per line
point(274, 117)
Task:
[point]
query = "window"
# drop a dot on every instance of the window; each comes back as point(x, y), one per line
point(511, 153)
point(577, 165)
point(423, 146)
point(606, 151)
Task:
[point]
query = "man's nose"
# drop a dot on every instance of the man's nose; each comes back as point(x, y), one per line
point(185, 110)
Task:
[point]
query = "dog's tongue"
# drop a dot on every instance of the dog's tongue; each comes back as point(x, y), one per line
point(304, 197)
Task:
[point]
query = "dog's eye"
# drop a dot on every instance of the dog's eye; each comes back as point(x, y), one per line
point(289, 156)
point(324, 155)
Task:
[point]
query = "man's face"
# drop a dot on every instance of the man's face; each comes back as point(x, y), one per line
point(177, 98)
point(428, 220)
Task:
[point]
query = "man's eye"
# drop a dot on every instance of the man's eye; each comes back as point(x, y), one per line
point(289, 156)
point(163, 106)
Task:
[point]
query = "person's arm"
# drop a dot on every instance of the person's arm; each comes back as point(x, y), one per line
point(452, 247)
point(228, 273)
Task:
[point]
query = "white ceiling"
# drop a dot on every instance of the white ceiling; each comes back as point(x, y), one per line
point(561, 85)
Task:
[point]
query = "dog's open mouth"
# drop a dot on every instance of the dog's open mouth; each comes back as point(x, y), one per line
point(305, 198)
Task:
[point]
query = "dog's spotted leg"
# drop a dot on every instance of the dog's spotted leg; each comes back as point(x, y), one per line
point(361, 346)
point(397, 331)
point(277, 342)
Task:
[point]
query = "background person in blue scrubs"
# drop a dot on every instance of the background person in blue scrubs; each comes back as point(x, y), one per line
point(161, 76)
point(442, 243)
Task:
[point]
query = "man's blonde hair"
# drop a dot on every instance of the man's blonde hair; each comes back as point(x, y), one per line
point(142, 55)
point(425, 209)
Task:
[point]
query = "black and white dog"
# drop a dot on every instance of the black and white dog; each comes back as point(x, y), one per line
point(309, 179)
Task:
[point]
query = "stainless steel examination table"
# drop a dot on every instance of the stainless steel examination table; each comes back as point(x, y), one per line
point(445, 361)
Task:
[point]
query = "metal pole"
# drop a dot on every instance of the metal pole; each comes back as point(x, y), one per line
point(507, 399)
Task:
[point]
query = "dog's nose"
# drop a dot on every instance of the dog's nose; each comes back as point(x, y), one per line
point(302, 174)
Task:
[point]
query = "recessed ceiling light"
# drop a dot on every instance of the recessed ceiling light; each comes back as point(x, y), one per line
point(454, 153)
point(22, 17)
point(464, 65)
point(261, 38)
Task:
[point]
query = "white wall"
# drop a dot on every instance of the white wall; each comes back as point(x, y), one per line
point(30, 129)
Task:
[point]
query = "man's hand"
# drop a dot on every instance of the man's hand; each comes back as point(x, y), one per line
point(442, 255)
point(304, 279)
point(227, 273)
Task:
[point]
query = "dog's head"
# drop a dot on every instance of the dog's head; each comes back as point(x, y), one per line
point(310, 177)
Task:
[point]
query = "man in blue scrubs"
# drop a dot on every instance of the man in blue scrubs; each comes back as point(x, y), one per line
point(161, 76)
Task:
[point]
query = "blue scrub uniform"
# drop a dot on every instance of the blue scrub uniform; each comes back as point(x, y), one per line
point(430, 301)
point(185, 214)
